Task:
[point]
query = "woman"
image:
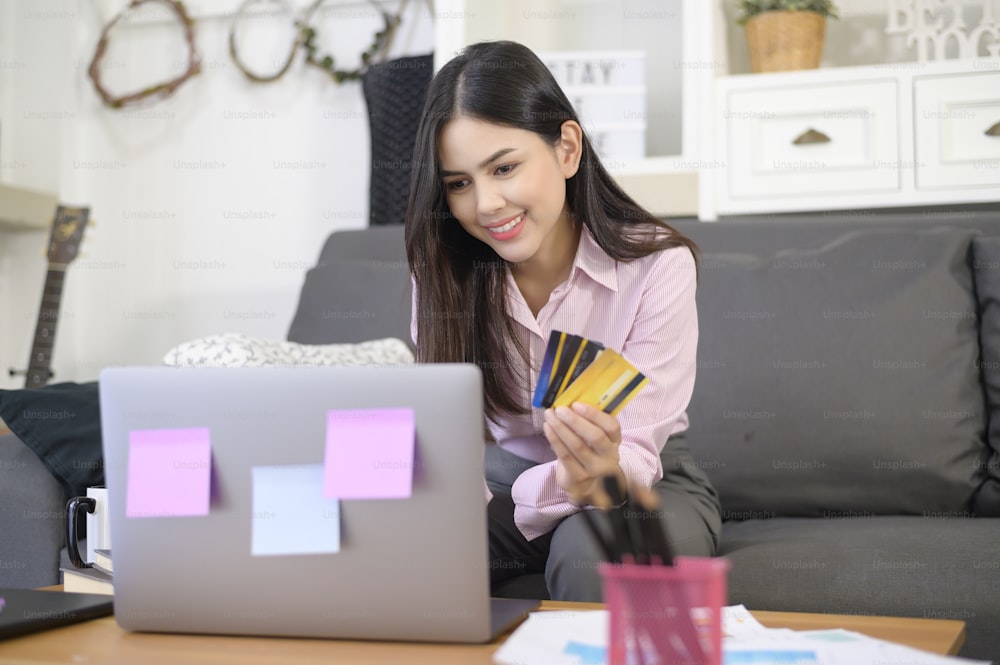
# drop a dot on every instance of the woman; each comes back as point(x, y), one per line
point(513, 229)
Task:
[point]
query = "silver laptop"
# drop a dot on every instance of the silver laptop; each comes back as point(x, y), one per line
point(244, 501)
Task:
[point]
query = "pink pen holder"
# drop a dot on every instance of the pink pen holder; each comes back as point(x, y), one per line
point(666, 614)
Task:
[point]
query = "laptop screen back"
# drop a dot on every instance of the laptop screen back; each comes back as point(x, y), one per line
point(232, 531)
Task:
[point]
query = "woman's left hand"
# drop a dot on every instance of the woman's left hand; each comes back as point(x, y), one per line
point(585, 441)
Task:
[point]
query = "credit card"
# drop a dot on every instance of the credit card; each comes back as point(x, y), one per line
point(544, 374)
point(586, 379)
point(626, 394)
point(576, 369)
point(608, 384)
point(567, 357)
point(587, 356)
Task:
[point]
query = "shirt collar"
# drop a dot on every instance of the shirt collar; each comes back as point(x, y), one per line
point(595, 262)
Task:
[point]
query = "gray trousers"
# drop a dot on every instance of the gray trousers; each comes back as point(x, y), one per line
point(568, 555)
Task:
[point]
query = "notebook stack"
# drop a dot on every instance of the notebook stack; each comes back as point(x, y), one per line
point(96, 579)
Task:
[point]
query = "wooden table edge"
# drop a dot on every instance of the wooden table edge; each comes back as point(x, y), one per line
point(861, 623)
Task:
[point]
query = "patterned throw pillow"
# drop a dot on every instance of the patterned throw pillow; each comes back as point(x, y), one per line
point(238, 350)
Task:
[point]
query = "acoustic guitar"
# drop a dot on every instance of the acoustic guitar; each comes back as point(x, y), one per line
point(64, 243)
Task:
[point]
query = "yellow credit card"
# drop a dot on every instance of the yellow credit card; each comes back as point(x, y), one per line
point(586, 378)
point(625, 395)
point(608, 384)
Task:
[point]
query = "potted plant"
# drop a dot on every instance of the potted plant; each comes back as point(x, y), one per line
point(785, 34)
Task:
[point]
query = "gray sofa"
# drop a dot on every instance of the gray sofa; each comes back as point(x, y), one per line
point(848, 365)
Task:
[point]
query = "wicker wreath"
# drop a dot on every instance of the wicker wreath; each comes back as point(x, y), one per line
point(305, 37)
point(379, 46)
point(300, 38)
point(158, 90)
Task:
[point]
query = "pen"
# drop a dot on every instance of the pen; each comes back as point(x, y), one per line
point(619, 524)
point(636, 522)
point(607, 549)
point(653, 529)
point(608, 543)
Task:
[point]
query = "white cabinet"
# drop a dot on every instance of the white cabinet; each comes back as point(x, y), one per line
point(858, 137)
point(957, 125)
point(812, 140)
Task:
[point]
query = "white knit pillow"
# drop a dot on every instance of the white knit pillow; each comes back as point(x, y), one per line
point(238, 350)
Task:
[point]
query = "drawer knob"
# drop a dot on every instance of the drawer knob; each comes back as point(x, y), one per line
point(994, 130)
point(811, 136)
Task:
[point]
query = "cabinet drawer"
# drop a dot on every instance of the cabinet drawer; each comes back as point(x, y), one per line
point(854, 146)
point(951, 117)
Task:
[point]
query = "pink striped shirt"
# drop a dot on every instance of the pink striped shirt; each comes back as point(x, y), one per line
point(645, 309)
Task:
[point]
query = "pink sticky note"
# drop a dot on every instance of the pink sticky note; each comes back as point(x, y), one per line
point(169, 472)
point(369, 454)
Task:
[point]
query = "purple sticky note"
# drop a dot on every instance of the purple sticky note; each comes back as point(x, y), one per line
point(169, 472)
point(369, 454)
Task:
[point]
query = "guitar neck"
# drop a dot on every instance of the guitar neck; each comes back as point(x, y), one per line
point(45, 330)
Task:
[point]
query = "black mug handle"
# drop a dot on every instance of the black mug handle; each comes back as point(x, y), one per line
point(72, 514)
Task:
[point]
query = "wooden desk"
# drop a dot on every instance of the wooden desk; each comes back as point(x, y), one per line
point(102, 641)
point(944, 636)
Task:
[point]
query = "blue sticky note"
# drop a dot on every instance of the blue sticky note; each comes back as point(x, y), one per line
point(290, 513)
point(589, 654)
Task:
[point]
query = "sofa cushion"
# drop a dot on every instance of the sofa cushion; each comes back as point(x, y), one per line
point(61, 424)
point(358, 290)
point(239, 350)
point(890, 566)
point(32, 518)
point(841, 379)
point(986, 269)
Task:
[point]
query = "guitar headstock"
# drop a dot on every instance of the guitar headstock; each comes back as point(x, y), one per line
point(67, 232)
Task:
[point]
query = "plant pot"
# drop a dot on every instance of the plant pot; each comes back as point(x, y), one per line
point(785, 40)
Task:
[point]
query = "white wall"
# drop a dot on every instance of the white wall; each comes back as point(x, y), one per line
point(210, 205)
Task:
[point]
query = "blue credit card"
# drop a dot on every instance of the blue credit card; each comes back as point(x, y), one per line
point(566, 356)
point(555, 337)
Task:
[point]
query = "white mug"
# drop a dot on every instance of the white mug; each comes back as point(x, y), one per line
point(95, 504)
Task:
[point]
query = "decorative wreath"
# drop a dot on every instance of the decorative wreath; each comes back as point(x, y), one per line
point(299, 24)
point(380, 44)
point(160, 90)
point(305, 37)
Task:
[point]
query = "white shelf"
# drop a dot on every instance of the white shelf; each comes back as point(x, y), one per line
point(24, 209)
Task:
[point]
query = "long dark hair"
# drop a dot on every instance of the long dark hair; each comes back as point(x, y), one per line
point(461, 286)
